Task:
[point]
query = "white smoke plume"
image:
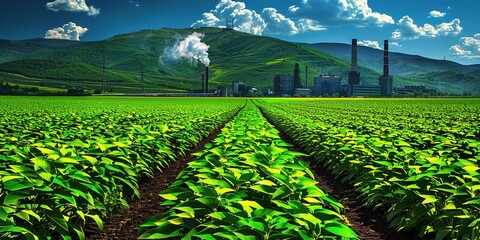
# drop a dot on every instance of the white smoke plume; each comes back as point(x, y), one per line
point(191, 48)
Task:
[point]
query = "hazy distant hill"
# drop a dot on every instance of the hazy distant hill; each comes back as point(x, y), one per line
point(400, 64)
point(234, 55)
point(440, 74)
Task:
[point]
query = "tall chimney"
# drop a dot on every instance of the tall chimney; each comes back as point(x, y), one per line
point(354, 54)
point(354, 75)
point(203, 83)
point(206, 79)
point(386, 81)
point(296, 77)
point(385, 59)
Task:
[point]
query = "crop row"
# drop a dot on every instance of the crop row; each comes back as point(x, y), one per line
point(425, 181)
point(247, 185)
point(59, 170)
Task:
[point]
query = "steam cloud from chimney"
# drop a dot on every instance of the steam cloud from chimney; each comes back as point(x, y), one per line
point(191, 47)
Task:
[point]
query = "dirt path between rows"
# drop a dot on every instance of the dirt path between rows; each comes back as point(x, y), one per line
point(368, 224)
point(125, 225)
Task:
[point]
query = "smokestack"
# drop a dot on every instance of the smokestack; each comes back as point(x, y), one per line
point(206, 79)
point(354, 75)
point(203, 83)
point(386, 81)
point(296, 77)
point(386, 72)
point(354, 54)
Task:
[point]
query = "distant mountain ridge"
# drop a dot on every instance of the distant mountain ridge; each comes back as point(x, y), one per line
point(438, 74)
point(235, 56)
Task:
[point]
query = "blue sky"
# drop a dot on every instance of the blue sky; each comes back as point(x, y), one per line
point(431, 28)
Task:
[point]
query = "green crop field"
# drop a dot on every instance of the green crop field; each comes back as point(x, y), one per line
point(417, 158)
point(66, 162)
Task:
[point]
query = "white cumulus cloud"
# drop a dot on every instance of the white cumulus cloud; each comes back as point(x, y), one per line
point(395, 44)
point(72, 6)
point(369, 43)
point(337, 12)
point(468, 48)
point(307, 15)
point(305, 25)
point(269, 21)
point(208, 20)
point(135, 3)
point(408, 30)
point(69, 31)
point(437, 14)
point(277, 23)
point(293, 8)
point(246, 20)
point(359, 10)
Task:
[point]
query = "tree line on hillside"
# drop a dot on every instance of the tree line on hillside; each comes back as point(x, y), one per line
point(9, 89)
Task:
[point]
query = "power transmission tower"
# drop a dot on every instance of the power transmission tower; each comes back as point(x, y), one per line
point(141, 81)
point(230, 24)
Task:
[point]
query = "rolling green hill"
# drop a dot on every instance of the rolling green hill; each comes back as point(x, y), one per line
point(235, 56)
point(445, 80)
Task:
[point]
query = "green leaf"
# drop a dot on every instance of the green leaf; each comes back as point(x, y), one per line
point(266, 182)
point(15, 186)
point(46, 151)
point(58, 220)
point(18, 229)
point(428, 198)
point(281, 192)
point(67, 160)
point(225, 216)
point(472, 202)
point(41, 163)
point(162, 232)
point(12, 198)
point(3, 213)
point(97, 220)
point(341, 230)
point(190, 212)
point(32, 213)
point(248, 205)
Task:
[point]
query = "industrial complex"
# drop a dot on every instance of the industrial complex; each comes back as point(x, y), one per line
point(331, 85)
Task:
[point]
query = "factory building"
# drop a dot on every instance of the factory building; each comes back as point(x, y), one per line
point(286, 85)
point(283, 85)
point(385, 87)
point(386, 81)
point(222, 91)
point(360, 90)
point(326, 84)
point(266, 91)
point(302, 91)
point(413, 89)
point(237, 86)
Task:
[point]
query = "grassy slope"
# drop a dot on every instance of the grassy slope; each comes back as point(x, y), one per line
point(447, 80)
